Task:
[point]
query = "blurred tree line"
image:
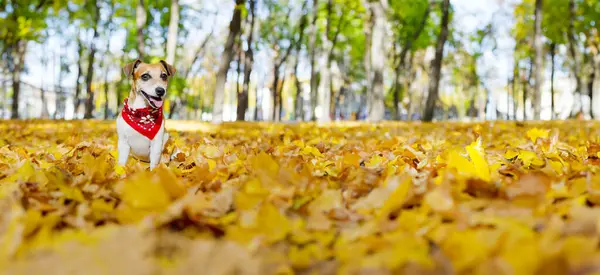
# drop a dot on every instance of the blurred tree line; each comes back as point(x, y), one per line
point(301, 59)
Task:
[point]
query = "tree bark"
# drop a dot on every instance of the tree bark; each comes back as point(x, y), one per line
point(324, 89)
point(312, 45)
point(89, 105)
point(228, 53)
point(140, 23)
point(526, 82)
point(514, 82)
point(436, 66)
point(552, 70)
point(409, 79)
point(172, 33)
point(76, 100)
point(19, 60)
point(572, 39)
point(172, 45)
point(298, 100)
point(298, 106)
point(242, 104)
point(400, 67)
point(275, 93)
point(537, 42)
point(106, 89)
point(590, 88)
point(376, 94)
point(280, 97)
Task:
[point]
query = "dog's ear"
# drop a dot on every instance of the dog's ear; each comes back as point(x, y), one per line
point(130, 68)
point(170, 69)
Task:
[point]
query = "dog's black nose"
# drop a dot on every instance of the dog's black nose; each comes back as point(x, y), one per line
point(160, 91)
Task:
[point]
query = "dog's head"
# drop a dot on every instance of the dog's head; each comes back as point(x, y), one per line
point(150, 80)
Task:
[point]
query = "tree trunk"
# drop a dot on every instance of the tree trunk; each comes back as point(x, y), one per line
point(172, 46)
point(298, 104)
point(173, 108)
point(106, 88)
point(537, 42)
point(368, 30)
point(275, 92)
point(45, 112)
point(242, 104)
point(552, 69)
point(298, 101)
point(590, 85)
point(402, 61)
point(376, 94)
point(280, 96)
point(89, 105)
point(172, 33)
point(140, 23)
point(509, 90)
point(407, 84)
point(572, 38)
point(228, 53)
point(525, 90)
point(76, 100)
point(312, 45)
point(324, 89)
point(436, 65)
point(19, 60)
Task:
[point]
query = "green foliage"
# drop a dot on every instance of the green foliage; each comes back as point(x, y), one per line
point(23, 20)
point(406, 17)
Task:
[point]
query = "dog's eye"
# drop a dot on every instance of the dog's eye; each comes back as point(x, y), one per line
point(145, 77)
point(163, 76)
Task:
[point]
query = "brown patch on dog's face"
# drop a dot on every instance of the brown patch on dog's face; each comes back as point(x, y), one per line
point(150, 80)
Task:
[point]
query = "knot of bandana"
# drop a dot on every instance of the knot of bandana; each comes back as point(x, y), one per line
point(147, 121)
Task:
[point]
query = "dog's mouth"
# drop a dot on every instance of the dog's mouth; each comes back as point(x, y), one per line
point(154, 101)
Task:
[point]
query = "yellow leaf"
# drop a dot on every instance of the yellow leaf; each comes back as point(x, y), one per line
point(212, 164)
point(535, 133)
point(511, 154)
point(351, 159)
point(529, 158)
point(119, 170)
point(144, 192)
point(310, 150)
point(396, 199)
point(272, 223)
point(375, 161)
point(477, 155)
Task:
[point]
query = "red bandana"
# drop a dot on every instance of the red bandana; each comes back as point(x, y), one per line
point(147, 121)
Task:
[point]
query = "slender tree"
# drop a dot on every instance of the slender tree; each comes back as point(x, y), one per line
point(407, 46)
point(140, 24)
point(552, 69)
point(172, 33)
point(376, 91)
point(89, 104)
point(298, 106)
point(538, 46)
point(76, 99)
point(436, 65)
point(226, 58)
point(312, 47)
point(242, 99)
point(572, 41)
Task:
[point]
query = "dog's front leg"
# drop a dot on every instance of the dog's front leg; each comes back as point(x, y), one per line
point(156, 147)
point(124, 149)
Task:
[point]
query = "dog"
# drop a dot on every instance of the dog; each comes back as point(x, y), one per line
point(141, 125)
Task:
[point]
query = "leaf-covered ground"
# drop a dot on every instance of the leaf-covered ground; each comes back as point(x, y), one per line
point(445, 198)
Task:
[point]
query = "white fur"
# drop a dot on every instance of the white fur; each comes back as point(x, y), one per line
point(131, 142)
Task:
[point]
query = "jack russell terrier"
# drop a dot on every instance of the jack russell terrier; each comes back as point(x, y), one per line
point(141, 125)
